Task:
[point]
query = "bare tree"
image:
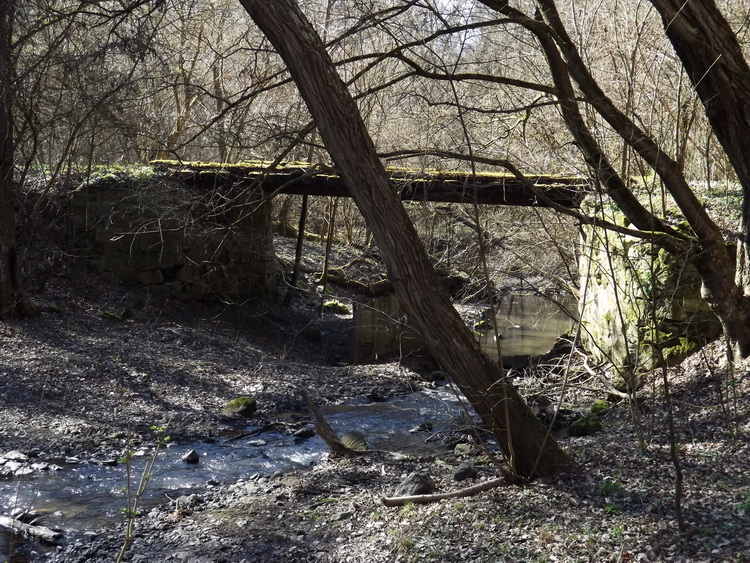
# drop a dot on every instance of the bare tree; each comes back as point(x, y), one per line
point(710, 52)
point(522, 437)
point(13, 303)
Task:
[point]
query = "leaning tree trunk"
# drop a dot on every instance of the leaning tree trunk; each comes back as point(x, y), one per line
point(12, 301)
point(719, 72)
point(524, 440)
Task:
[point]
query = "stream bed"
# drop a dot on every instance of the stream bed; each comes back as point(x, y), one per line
point(80, 497)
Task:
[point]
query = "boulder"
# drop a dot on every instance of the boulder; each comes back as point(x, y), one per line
point(304, 433)
point(241, 406)
point(585, 426)
point(415, 484)
point(465, 450)
point(465, 470)
point(599, 407)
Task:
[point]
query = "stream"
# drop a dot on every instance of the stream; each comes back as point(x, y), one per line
point(81, 497)
point(78, 497)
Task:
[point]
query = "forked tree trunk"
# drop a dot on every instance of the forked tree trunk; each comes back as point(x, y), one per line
point(714, 61)
point(521, 436)
point(12, 301)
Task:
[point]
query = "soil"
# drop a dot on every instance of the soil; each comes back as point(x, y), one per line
point(102, 364)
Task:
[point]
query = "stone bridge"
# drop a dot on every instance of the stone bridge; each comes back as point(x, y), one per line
point(483, 188)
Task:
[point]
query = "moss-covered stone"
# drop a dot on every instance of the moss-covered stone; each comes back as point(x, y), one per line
point(241, 406)
point(110, 316)
point(585, 426)
point(483, 325)
point(684, 347)
point(599, 407)
point(641, 302)
point(335, 307)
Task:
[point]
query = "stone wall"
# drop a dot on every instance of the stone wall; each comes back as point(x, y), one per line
point(381, 331)
point(177, 239)
point(638, 303)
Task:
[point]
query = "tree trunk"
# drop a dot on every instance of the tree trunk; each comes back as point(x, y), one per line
point(521, 436)
point(724, 92)
point(719, 72)
point(12, 301)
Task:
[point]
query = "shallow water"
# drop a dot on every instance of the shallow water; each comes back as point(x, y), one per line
point(85, 497)
point(529, 324)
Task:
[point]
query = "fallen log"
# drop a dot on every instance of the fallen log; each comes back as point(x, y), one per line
point(425, 499)
point(38, 532)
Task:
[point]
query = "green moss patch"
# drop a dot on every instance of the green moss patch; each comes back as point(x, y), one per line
point(336, 307)
point(241, 406)
point(585, 426)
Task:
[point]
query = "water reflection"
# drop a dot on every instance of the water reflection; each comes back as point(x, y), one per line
point(528, 324)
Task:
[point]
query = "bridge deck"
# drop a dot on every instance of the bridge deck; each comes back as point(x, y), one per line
point(449, 187)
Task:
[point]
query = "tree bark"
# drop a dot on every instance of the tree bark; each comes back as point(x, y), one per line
point(523, 439)
point(722, 79)
point(713, 59)
point(13, 304)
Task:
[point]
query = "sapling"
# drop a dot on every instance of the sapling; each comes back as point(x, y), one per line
point(134, 496)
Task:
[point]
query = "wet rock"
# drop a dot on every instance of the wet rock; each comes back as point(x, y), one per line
point(304, 433)
point(241, 406)
point(424, 427)
point(415, 484)
point(15, 455)
point(435, 376)
point(516, 362)
point(107, 462)
point(465, 450)
point(24, 515)
point(191, 457)
point(465, 470)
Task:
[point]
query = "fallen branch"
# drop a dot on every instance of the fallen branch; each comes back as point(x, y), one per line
point(425, 499)
point(39, 532)
point(602, 378)
point(326, 433)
